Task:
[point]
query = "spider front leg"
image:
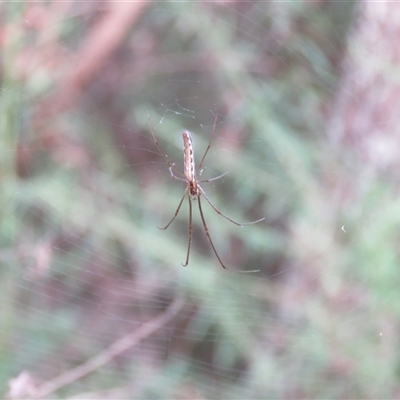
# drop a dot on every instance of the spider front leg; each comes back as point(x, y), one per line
point(208, 234)
point(176, 212)
point(190, 230)
point(212, 244)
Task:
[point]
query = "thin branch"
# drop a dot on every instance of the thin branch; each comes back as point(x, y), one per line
point(107, 355)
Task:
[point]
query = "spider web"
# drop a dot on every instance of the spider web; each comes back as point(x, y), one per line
point(95, 302)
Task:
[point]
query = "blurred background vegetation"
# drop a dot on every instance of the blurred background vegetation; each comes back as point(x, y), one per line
point(84, 188)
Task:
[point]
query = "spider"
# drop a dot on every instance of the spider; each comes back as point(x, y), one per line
point(194, 189)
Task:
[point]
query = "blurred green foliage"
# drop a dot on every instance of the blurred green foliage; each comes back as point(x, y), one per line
point(84, 188)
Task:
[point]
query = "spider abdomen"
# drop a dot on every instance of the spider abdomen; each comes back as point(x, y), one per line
point(189, 168)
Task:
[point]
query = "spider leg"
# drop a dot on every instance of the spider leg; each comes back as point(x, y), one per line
point(190, 232)
point(171, 167)
point(209, 142)
point(212, 244)
point(223, 215)
point(170, 164)
point(208, 234)
point(176, 212)
point(214, 179)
